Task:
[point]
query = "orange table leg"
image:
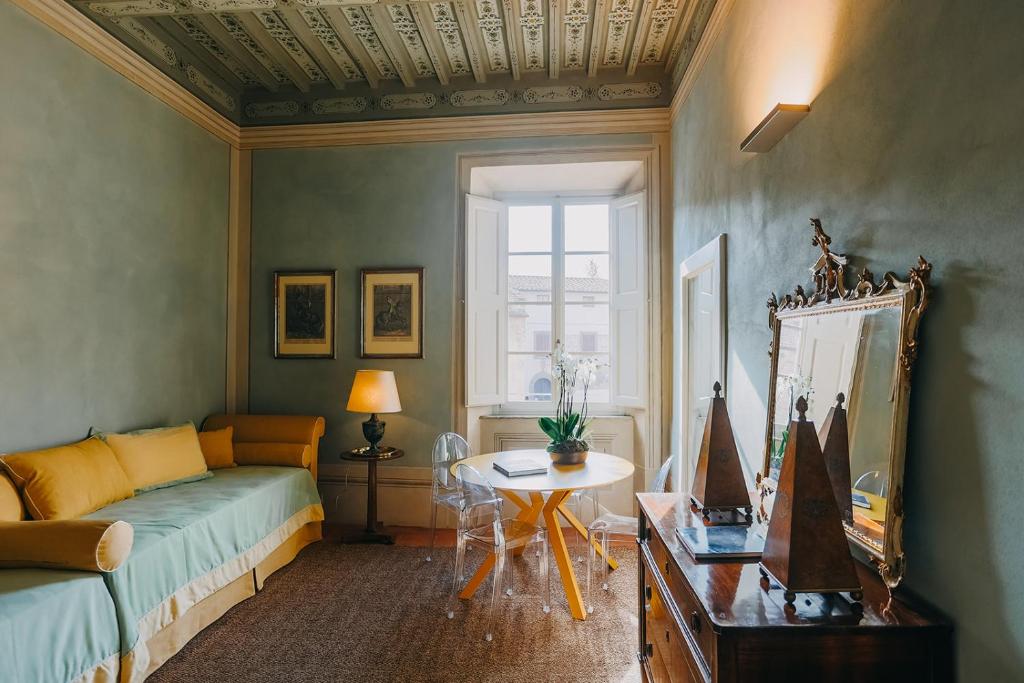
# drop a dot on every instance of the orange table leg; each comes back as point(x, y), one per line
point(561, 553)
point(527, 513)
point(582, 531)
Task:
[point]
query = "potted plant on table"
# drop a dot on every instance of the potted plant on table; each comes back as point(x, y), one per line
point(568, 428)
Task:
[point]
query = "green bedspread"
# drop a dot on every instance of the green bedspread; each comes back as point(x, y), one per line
point(55, 624)
point(186, 531)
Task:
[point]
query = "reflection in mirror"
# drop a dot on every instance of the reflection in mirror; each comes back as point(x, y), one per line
point(856, 353)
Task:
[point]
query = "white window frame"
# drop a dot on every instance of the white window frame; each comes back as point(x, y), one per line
point(558, 202)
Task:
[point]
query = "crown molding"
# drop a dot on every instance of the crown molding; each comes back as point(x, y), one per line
point(76, 27)
point(651, 120)
point(716, 23)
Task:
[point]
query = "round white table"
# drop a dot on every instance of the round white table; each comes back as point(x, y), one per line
point(600, 469)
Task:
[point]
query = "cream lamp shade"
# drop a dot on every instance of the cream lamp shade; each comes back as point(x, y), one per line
point(374, 391)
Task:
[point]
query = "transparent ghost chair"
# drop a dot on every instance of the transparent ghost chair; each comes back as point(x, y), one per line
point(449, 448)
point(610, 524)
point(481, 525)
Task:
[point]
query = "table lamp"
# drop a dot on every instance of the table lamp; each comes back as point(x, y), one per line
point(374, 391)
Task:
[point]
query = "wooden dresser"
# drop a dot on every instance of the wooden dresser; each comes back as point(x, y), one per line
point(713, 621)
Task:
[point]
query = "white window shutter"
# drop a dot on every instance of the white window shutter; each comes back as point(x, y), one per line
point(486, 283)
point(629, 300)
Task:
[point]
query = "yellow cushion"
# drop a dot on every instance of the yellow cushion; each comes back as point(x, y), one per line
point(68, 481)
point(217, 448)
point(90, 544)
point(11, 508)
point(154, 457)
point(283, 454)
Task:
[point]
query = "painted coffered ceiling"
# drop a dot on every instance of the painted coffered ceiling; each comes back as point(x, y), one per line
point(265, 62)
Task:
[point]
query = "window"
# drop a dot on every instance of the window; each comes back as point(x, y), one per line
point(549, 269)
point(558, 283)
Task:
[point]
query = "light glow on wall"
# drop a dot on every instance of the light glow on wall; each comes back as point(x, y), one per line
point(786, 56)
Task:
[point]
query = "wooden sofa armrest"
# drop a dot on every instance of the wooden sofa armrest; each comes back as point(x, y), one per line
point(304, 429)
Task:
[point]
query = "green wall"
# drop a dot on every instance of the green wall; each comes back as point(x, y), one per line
point(347, 208)
point(914, 145)
point(113, 238)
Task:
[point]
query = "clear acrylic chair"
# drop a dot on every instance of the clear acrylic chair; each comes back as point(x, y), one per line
point(610, 524)
point(449, 448)
point(481, 525)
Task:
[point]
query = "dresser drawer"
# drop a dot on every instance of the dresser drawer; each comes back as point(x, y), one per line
point(666, 654)
point(694, 620)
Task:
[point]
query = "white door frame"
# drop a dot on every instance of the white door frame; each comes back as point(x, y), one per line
point(711, 255)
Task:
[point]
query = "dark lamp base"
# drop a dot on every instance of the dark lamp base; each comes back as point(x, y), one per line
point(373, 431)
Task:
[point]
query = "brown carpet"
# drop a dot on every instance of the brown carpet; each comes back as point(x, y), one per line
point(374, 613)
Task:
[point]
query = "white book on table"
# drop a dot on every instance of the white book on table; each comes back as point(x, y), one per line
point(520, 466)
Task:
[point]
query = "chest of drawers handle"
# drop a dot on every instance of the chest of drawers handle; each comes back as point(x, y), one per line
point(695, 622)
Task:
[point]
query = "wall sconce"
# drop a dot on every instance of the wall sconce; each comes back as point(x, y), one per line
point(780, 120)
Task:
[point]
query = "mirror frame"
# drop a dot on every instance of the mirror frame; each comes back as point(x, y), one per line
point(831, 295)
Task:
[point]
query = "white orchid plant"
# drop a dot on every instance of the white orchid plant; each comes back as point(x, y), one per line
point(568, 429)
point(798, 385)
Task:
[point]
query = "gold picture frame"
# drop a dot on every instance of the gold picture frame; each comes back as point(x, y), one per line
point(304, 314)
point(391, 313)
point(831, 296)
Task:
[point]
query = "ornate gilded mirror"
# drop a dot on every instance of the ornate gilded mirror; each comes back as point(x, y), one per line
point(860, 342)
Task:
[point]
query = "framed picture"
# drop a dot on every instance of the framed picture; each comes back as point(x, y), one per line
point(304, 314)
point(392, 313)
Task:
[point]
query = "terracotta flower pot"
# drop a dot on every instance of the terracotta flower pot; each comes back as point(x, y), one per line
point(571, 453)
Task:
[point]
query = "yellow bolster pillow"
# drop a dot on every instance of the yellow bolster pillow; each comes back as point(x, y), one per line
point(67, 481)
point(283, 454)
point(217, 448)
point(11, 508)
point(88, 544)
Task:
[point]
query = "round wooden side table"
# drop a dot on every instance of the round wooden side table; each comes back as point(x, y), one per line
point(372, 533)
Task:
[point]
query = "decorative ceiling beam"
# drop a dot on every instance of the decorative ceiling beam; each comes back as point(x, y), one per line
point(620, 18)
point(259, 33)
point(597, 36)
point(198, 47)
point(390, 41)
point(332, 43)
point(351, 43)
point(531, 21)
point(237, 30)
point(577, 17)
point(166, 7)
point(486, 16)
point(554, 38)
point(663, 20)
point(229, 44)
point(358, 24)
point(420, 16)
point(407, 31)
point(291, 45)
point(642, 24)
point(472, 43)
point(683, 24)
point(508, 8)
point(311, 44)
point(446, 25)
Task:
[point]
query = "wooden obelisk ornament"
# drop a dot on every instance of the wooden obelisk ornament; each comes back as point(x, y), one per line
point(718, 484)
point(806, 550)
point(835, 447)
